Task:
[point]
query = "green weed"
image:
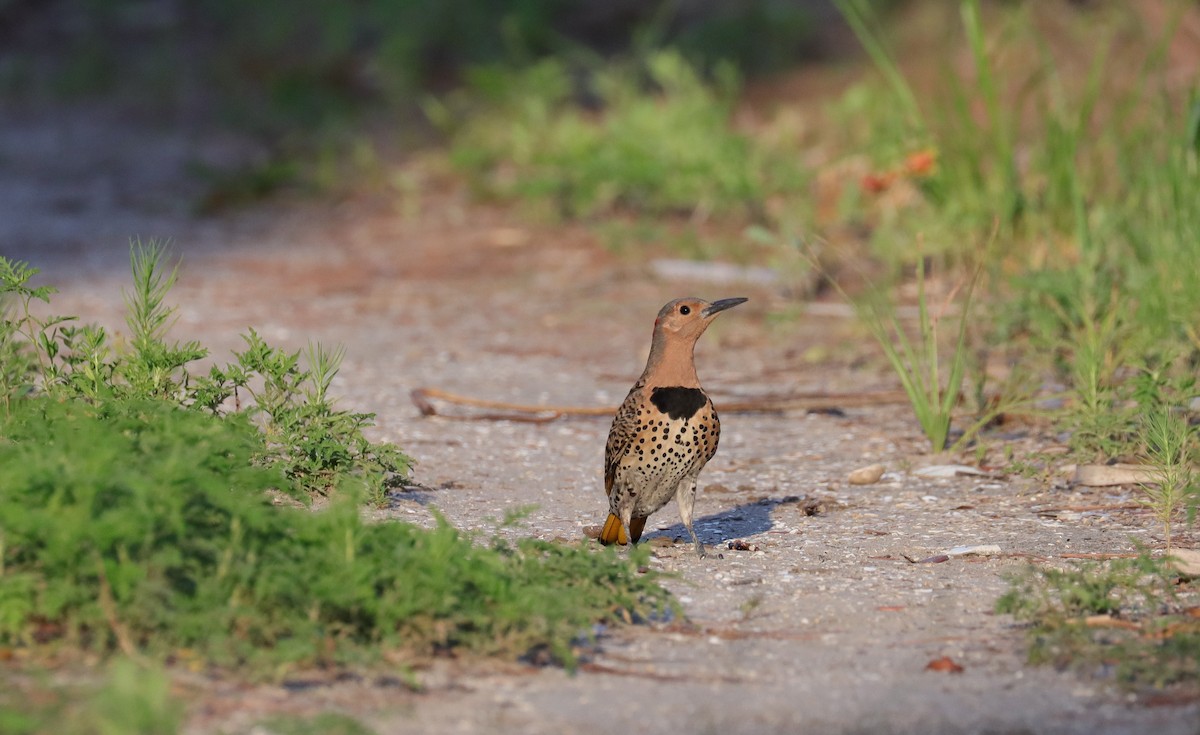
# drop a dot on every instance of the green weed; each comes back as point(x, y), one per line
point(1124, 620)
point(1168, 445)
point(319, 447)
point(327, 723)
point(932, 380)
point(135, 515)
point(128, 699)
point(143, 527)
point(658, 144)
point(1087, 168)
point(1169, 449)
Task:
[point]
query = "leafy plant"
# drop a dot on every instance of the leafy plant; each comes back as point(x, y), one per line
point(129, 698)
point(28, 344)
point(318, 447)
point(1119, 619)
point(660, 141)
point(135, 514)
point(326, 723)
point(1086, 168)
point(1170, 447)
point(919, 363)
point(143, 527)
point(154, 368)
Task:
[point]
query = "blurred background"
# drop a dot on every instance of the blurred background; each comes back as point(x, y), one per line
point(305, 62)
point(860, 136)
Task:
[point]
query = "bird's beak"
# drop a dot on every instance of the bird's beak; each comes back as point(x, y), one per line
point(718, 306)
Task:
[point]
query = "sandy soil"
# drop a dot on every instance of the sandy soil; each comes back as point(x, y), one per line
point(822, 626)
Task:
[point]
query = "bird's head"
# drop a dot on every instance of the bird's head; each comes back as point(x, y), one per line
point(686, 319)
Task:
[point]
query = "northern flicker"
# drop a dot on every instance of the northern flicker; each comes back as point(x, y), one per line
point(666, 430)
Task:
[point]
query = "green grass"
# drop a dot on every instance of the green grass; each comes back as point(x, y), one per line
point(137, 526)
point(1170, 448)
point(1085, 179)
point(1124, 621)
point(660, 143)
point(1091, 202)
point(319, 447)
point(125, 699)
point(919, 362)
point(139, 514)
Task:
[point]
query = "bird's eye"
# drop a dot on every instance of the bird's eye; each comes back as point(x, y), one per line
point(685, 310)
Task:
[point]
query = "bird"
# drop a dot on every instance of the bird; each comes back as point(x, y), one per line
point(666, 430)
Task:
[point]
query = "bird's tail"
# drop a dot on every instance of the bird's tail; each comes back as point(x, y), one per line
point(613, 532)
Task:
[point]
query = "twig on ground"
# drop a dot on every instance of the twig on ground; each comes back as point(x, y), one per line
point(423, 399)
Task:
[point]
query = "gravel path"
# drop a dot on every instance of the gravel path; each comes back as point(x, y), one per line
point(821, 626)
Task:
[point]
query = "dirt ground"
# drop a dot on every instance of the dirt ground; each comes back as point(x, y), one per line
point(821, 626)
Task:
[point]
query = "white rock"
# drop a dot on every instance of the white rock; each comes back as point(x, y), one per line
point(949, 470)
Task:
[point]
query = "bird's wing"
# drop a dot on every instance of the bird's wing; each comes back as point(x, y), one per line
point(621, 436)
point(713, 435)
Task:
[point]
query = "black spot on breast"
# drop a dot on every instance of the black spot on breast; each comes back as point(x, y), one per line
point(678, 403)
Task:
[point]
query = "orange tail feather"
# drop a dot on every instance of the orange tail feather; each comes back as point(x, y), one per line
point(613, 532)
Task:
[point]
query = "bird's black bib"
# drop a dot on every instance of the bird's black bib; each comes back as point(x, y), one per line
point(677, 402)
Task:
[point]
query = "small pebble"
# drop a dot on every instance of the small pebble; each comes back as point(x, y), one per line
point(868, 475)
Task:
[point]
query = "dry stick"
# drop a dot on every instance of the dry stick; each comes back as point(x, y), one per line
point(1097, 555)
point(421, 398)
point(1086, 508)
point(1107, 621)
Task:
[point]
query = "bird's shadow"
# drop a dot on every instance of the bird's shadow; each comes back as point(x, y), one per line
point(744, 520)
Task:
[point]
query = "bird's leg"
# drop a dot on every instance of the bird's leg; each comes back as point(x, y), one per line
point(626, 516)
point(685, 496)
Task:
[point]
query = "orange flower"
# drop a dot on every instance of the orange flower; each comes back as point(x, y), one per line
point(876, 183)
point(920, 163)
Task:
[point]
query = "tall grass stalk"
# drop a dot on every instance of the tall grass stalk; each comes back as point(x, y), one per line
point(1168, 441)
point(919, 362)
point(861, 19)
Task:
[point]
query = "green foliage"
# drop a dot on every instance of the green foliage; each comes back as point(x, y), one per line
point(135, 515)
point(920, 362)
point(282, 63)
point(1170, 449)
point(129, 699)
point(28, 344)
point(326, 723)
point(144, 527)
point(759, 36)
point(1090, 175)
point(319, 447)
point(660, 144)
point(1122, 619)
point(154, 369)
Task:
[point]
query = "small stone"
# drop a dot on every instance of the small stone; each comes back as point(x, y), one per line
point(1186, 562)
point(949, 470)
point(868, 475)
point(1093, 475)
point(975, 550)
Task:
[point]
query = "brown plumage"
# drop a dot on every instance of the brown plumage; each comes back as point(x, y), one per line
point(665, 431)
